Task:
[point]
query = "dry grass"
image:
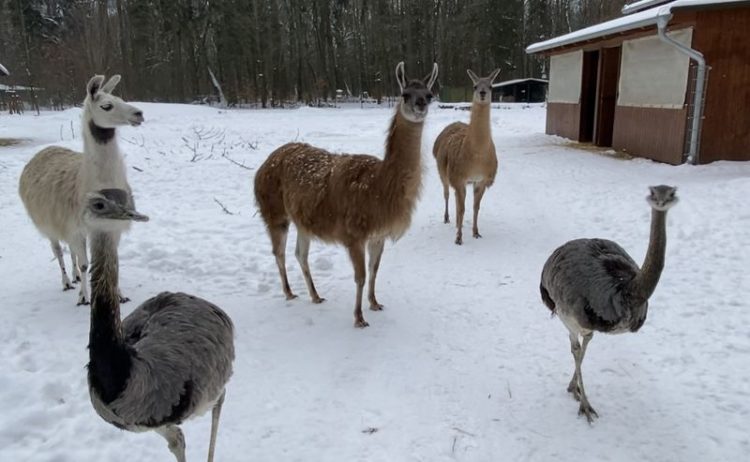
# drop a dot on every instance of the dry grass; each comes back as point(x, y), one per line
point(5, 142)
point(602, 151)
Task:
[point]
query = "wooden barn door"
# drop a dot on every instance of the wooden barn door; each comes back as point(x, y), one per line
point(606, 99)
point(588, 95)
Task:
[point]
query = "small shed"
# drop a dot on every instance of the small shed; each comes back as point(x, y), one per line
point(520, 91)
point(634, 83)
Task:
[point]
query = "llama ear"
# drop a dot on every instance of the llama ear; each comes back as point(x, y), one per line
point(111, 83)
point(494, 74)
point(401, 76)
point(429, 81)
point(94, 85)
point(473, 76)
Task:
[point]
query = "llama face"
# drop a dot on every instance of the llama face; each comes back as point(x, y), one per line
point(662, 197)
point(110, 210)
point(107, 110)
point(483, 86)
point(416, 95)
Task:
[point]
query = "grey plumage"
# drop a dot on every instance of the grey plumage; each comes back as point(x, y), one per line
point(594, 285)
point(167, 361)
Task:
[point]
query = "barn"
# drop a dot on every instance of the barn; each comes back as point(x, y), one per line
point(520, 91)
point(668, 81)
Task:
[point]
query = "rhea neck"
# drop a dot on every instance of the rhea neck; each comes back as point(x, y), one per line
point(404, 144)
point(646, 281)
point(109, 359)
point(103, 159)
point(479, 124)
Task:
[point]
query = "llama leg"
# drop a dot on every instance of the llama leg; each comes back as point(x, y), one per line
point(215, 414)
point(584, 408)
point(175, 440)
point(357, 254)
point(446, 195)
point(278, 241)
point(57, 250)
point(78, 247)
point(375, 249)
point(301, 252)
point(479, 190)
point(74, 265)
point(123, 299)
point(460, 198)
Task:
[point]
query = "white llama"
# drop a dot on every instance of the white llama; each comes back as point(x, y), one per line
point(54, 183)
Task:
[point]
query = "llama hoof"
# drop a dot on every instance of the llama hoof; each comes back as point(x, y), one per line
point(82, 301)
point(446, 219)
point(317, 299)
point(77, 279)
point(459, 241)
point(586, 409)
point(290, 296)
point(68, 286)
point(360, 323)
point(477, 235)
point(124, 299)
point(376, 306)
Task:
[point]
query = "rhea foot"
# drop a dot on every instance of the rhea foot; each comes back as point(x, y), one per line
point(586, 409)
point(574, 389)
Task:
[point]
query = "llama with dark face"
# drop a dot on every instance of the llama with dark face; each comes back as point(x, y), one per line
point(54, 183)
point(356, 200)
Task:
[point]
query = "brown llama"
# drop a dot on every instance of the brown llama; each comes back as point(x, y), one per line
point(356, 200)
point(466, 154)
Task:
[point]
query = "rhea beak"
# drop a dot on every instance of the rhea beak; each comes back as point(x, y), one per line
point(135, 216)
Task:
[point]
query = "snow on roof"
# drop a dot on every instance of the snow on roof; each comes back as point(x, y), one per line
point(637, 20)
point(515, 81)
point(640, 5)
point(3, 71)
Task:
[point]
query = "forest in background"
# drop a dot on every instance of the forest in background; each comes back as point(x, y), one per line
point(274, 52)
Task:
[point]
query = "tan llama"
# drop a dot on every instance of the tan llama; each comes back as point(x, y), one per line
point(355, 200)
point(466, 154)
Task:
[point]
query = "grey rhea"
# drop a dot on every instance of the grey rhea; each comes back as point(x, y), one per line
point(169, 360)
point(594, 285)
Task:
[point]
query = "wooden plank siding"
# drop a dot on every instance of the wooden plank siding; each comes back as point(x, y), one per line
point(657, 134)
point(564, 119)
point(723, 36)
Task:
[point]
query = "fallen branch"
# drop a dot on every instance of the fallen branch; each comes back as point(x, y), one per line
point(137, 169)
point(239, 164)
point(223, 208)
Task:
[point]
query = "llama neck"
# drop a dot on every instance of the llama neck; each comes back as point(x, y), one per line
point(103, 165)
point(645, 282)
point(403, 147)
point(109, 360)
point(478, 133)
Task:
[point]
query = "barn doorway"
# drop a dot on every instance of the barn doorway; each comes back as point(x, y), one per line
point(609, 74)
point(589, 78)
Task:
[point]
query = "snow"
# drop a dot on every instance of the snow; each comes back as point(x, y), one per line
point(464, 364)
point(644, 18)
point(515, 81)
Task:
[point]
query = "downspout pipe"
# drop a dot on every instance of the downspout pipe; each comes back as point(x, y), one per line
point(662, 20)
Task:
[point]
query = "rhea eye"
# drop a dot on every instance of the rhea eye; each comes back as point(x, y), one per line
point(98, 205)
point(106, 107)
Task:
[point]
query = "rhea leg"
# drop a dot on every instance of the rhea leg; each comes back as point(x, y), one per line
point(301, 252)
point(576, 383)
point(479, 190)
point(57, 250)
point(278, 241)
point(175, 440)
point(357, 255)
point(78, 248)
point(215, 414)
point(375, 248)
point(460, 199)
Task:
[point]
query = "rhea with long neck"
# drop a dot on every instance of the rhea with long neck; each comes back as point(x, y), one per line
point(645, 282)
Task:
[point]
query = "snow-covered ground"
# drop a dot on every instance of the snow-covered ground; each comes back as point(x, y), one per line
point(464, 364)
